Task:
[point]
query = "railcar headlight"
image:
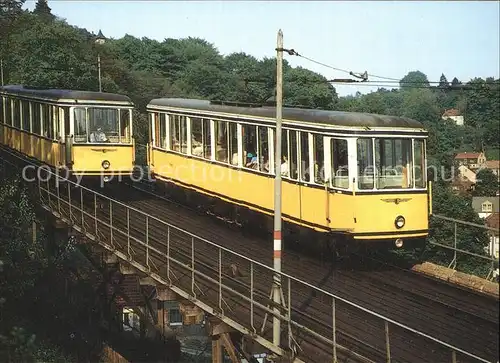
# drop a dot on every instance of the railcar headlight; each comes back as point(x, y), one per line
point(399, 222)
point(105, 164)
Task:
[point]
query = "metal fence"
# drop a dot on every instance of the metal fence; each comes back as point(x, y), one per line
point(316, 324)
point(488, 257)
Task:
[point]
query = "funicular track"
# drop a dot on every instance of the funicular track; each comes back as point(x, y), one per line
point(204, 272)
point(458, 316)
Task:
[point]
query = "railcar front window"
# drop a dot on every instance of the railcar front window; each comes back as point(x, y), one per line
point(101, 125)
point(393, 160)
point(365, 163)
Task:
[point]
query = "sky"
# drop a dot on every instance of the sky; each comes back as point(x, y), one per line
point(389, 39)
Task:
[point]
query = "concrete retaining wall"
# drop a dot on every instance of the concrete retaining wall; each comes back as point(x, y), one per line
point(458, 278)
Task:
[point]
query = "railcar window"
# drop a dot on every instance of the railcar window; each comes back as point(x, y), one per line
point(340, 162)
point(80, 130)
point(36, 118)
point(178, 133)
point(8, 111)
point(319, 159)
point(304, 157)
point(221, 136)
point(103, 125)
point(249, 159)
point(285, 154)
point(200, 141)
point(16, 114)
point(293, 147)
point(419, 152)
point(125, 116)
point(162, 136)
point(48, 122)
point(207, 139)
point(196, 136)
point(263, 152)
point(57, 125)
point(233, 142)
point(183, 131)
point(66, 120)
point(2, 108)
point(156, 125)
point(393, 160)
point(26, 115)
point(365, 163)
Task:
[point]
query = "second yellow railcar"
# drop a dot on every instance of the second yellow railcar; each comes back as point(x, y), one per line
point(88, 134)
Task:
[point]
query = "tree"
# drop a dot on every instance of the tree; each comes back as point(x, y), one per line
point(486, 183)
point(414, 79)
point(43, 10)
point(443, 82)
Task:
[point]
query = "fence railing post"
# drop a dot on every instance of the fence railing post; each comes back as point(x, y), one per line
point(334, 331)
point(387, 342)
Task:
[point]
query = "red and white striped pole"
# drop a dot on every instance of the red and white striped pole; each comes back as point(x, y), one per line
point(277, 191)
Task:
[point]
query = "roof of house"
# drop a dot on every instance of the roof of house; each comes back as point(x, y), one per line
point(493, 221)
point(451, 112)
point(492, 164)
point(477, 202)
point(466, 155)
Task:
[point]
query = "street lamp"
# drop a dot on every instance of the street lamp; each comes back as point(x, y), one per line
point(100, 39)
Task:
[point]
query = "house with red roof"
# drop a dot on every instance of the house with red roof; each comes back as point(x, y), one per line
point(454, 115)
point(471, 160)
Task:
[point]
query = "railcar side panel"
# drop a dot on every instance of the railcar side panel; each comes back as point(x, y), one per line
point(45, 150)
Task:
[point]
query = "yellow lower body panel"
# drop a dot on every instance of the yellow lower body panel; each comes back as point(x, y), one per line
point(361, 216)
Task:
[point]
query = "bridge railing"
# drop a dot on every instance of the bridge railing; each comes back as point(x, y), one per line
point(317, 325)
point(483, 255)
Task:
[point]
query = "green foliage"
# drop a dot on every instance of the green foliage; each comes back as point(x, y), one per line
point(43, 10)
point(492, 153)
point(414, 79)
point(486, 183)
point(21, 256)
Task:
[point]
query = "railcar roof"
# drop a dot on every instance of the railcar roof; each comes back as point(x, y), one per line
point(340, 118)
point(58, 94)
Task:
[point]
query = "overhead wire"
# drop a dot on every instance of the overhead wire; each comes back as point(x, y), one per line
point(388, 80)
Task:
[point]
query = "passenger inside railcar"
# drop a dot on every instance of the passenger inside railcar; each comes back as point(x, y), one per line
point(285, 170)
point(98, 136)
point(251, 161)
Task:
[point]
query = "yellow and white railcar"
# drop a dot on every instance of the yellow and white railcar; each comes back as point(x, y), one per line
point(87, 133)
point(352, 174)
